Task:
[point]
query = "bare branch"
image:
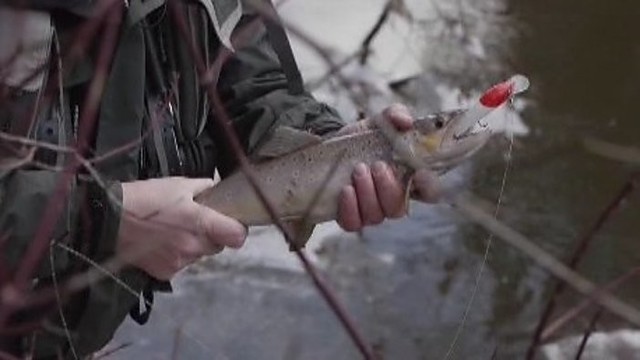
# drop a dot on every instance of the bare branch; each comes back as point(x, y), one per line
point(588, 332)
point(466, 206)
point(377, 26)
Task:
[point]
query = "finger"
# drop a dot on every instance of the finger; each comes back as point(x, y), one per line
point(216, 249)
point(400, 116)
point(220, 229)
point(356, 127)
point(370, 210)
point(348, 212)
point(427, 184)
point(191, 247)
point(389, 190)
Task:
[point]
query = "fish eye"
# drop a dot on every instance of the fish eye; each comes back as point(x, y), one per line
point(439, 124)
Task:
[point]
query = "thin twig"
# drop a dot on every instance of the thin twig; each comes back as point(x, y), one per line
point(325, 55)
point(313, 85)
point(588, 332)
point(63, 318)
point(494, 355)
point(377, 26)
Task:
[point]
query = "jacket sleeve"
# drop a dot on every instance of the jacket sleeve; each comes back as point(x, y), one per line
point(255, 92)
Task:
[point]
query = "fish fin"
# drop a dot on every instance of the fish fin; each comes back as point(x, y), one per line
point(402, 150)
point(300, 231)
point(285, 140)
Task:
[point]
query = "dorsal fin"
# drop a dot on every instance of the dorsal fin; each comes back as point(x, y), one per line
point(285, 140)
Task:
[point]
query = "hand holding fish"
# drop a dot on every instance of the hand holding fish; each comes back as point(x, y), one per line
point(376, 191)
point(162, 229)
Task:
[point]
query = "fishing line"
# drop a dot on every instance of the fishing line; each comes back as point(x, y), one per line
point(63, 319)
point(489, 240)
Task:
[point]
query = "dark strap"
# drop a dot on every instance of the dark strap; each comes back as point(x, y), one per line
point(280, 43)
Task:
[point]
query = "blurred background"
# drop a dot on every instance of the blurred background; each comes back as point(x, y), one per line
point(407, 282)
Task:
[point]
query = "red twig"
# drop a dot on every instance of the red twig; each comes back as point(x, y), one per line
point(588, 332)
point(581, 248)
point(225, 123)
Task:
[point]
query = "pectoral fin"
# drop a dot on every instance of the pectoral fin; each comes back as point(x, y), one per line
point(402, 150)
point(285, 140)
point(407, 179)
point(300, 231)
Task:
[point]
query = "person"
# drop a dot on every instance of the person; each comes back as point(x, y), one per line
point(155, 155)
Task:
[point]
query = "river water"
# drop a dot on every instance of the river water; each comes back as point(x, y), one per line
point(407, 282)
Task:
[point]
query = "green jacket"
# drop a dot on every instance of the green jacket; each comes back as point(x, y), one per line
point(256, 95)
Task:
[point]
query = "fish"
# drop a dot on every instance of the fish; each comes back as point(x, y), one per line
point(305, 173)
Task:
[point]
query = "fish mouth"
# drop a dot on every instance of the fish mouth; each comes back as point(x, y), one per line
point(460, 134)
point(452, 135)
point(446, 149)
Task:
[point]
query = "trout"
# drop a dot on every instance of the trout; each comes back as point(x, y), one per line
point(304, 181)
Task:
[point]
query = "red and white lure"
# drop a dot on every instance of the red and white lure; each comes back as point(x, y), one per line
point(471, 122)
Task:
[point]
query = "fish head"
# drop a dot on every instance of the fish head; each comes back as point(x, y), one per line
point(444, 139)
point(434, 148)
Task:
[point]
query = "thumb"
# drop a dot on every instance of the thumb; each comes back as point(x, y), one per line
point(427, 185)
point(220, 229)
point(399, 116)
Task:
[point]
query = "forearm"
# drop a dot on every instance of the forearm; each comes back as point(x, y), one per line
point(256, 94)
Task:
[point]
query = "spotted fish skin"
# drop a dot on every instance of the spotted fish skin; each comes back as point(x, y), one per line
point(320, 171)
point(292, 181)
